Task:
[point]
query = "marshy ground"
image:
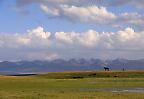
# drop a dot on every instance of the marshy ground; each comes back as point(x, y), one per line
point(74, 85)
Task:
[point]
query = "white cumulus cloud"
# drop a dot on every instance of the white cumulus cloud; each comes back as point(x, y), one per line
point(39, 44)
point(92, 11)
point(92, 14)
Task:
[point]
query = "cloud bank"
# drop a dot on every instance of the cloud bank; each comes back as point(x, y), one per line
point(39, 44)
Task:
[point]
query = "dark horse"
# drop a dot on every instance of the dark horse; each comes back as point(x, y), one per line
point(106, 69)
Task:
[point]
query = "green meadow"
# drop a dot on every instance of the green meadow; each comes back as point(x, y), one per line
point(73, 85)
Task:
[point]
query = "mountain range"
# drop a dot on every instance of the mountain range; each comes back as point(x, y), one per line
point(61, 65)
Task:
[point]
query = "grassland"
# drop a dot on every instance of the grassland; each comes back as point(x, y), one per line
point(73, 85)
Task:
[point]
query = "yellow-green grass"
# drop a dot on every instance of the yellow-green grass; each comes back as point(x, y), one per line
point(46, 87)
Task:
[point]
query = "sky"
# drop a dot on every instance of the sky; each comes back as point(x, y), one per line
point(53, 29)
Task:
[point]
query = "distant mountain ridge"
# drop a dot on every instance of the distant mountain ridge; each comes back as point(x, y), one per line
point(60, 65)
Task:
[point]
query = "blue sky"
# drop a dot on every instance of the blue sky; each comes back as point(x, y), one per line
point(80, 28)
point(14, 19)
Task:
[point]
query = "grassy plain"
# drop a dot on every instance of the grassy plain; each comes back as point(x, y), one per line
point(73, 85)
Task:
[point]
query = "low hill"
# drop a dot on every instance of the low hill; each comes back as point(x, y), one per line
point(94, 74)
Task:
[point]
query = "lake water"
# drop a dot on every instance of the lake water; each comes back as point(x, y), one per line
point(139, 90)
point(130, 90)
